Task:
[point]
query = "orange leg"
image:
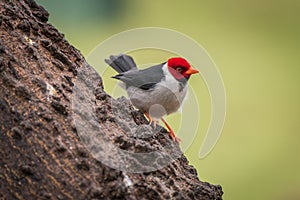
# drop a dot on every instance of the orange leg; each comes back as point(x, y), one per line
point(171, 132)
point(150, 119)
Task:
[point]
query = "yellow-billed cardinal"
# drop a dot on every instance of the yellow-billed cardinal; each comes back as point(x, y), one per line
point(156, 91)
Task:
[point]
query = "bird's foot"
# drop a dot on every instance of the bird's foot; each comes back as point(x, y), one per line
point(174, 137)
point(151, 120)
point(171, 132)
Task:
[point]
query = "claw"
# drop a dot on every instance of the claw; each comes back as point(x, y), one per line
point(171, 132)
point(151, 120)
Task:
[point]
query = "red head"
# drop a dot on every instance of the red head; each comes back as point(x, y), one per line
point(180, 68)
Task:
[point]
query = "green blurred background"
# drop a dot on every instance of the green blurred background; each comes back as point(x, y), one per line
point(256, 46)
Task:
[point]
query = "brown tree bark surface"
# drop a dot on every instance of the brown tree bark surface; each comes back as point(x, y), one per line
point(42, 154)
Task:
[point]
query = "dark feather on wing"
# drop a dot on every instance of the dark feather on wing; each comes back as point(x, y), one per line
point(144, 79)
point(121, 63)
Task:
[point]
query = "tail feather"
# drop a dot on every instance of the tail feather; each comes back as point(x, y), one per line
point(121, 63)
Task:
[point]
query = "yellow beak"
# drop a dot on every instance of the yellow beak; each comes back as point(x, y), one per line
point(191, 71)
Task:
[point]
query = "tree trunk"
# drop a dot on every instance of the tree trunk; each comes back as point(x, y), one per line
point(46, 152)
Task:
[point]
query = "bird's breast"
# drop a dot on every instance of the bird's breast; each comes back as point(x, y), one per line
point(163, 99)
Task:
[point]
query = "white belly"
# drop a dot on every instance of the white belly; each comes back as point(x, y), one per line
point(163, 99)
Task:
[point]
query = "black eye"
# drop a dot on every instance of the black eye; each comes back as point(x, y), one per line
point(179, 69)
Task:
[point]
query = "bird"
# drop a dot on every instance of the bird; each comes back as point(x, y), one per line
point(156, 91)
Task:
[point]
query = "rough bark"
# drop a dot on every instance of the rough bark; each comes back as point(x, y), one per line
point(42, 155)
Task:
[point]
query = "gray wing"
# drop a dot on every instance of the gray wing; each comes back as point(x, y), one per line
point(144, 79)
